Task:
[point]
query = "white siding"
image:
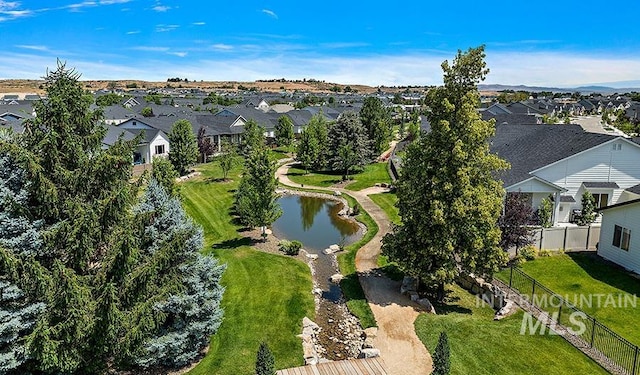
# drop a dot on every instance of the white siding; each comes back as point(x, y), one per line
point(159, 140)
point(599, 164)
point(134, 124)
point(533, 185)
point(627, 217)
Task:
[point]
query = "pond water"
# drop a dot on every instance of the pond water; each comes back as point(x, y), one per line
point(314, 222)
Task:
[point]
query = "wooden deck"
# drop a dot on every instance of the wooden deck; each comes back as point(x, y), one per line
point(367, 366)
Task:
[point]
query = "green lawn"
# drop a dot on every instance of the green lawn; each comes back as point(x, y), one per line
point(372, 174)
point(479, 345)
point(576, 274)
point(266, 295)
point(387, 201)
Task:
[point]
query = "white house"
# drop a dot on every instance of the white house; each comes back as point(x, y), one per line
point(154, 141)
point(620, 234)
point(564, 161)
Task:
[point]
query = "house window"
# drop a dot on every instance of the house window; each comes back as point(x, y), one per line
point(159, 149)
point(601, 199)
point(621, 237)
point(616, 147)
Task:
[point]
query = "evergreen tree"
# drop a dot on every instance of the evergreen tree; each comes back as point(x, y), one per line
point(377, 120)
point(308, 150)
point(588, 213)
point(265, 362)
point(104, 280)
point(252, 138)
point(449, 201)
point(545, 212)
point(348, 144)
point(164, 173)
point(441, 356)
point(190, 316)
point(284, 131)
point(183, 147)
point(256, 201)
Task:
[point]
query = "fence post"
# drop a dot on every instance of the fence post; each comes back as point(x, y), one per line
point(588, 235)
point(533, 291)
point(564, 241)
point(541, 236)
point(635, 361)
point(593, 331)
point(510, 277)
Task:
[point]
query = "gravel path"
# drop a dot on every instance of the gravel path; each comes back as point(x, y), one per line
point(400, 347)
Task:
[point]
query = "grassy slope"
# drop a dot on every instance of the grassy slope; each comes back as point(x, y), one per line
point(372, 174)
point(577, 273)
point(479, 345)
point(266, 296)
point(387, 201)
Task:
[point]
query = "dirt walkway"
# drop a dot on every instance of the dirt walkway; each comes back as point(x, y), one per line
point(400, 348)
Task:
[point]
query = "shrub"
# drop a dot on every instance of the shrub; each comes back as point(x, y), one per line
point(517, 260)
point(441, 360)
point(290, 247)
point(265, 362)
point(544, 253)
point(528, 252)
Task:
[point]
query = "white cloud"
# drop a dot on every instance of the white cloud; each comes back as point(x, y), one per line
point(150, 48)
point(179, 54)
point(33, 47)
point(165, 28)
point(270, 13)
point(10, 10)
point(222, 46)
point(161, 8)
point(338, 45)
point(133, 32)
point(199, 23)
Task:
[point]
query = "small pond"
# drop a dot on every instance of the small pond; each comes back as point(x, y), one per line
point(315, 222)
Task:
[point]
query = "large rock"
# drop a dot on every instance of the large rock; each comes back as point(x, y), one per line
point(337, 278)
point(328, 251)
point(509, 308)
point(427, 305)
point(371, 332)
point(369, 353)
point(306, 322)
point(408, 284)
point(334, 248)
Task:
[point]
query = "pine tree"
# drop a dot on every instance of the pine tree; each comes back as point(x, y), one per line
point(441, 356)
point(183, 146)
point(265, 362)
point(348, 145)
point(188, 317)
point(449, 200)
point(164, 173)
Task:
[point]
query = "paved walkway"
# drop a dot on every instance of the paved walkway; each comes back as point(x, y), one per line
point(400, 348)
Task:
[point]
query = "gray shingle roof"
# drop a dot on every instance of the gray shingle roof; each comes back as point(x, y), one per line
point(149, 134)
point(602, 185)
point(114, 133)
point(528, 148)
point(634, 189)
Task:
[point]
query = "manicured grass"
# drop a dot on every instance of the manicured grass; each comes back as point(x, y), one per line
point(372, 174)
point(479, 345)
point(585, 274)
point(266, 295)
point(322, 179)
point(387, 201)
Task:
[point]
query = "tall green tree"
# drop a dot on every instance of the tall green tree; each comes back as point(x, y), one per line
point(252, 138)
point(165, 174)
point(318, 128)
point(307, 150)
point(348, 144)
point(284, 131)
point(265, 362)
point(183, 147)
point(226, 159)
point(545, 212)
point(449, 200)
point(101, 268)
point(256, 200)
point(588, 212)
point(377, 120)
point(441, 356)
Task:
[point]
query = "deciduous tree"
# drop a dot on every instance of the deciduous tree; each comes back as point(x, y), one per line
point(284, 131)
point(515, 220)
point(165, 175)
point(183, 147)
point(252, 138)
point(226, 159)
point(205, 146)
point(449, 200)
point(377, 121)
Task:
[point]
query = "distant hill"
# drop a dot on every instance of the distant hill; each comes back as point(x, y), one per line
point(587, 89)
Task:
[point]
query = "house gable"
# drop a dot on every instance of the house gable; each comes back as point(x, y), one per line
point(535, 185)
point(134, 124)
point(625, 216)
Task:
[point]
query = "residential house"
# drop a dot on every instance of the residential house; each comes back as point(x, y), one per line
point(619, 234)
point(564, 161)
point(154, 142)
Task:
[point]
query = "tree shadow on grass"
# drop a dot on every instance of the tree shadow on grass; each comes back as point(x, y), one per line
point(450, 305)
point(235, 243)
point(605, 271)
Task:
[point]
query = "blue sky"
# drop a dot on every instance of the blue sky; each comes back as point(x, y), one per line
point(561, 43)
